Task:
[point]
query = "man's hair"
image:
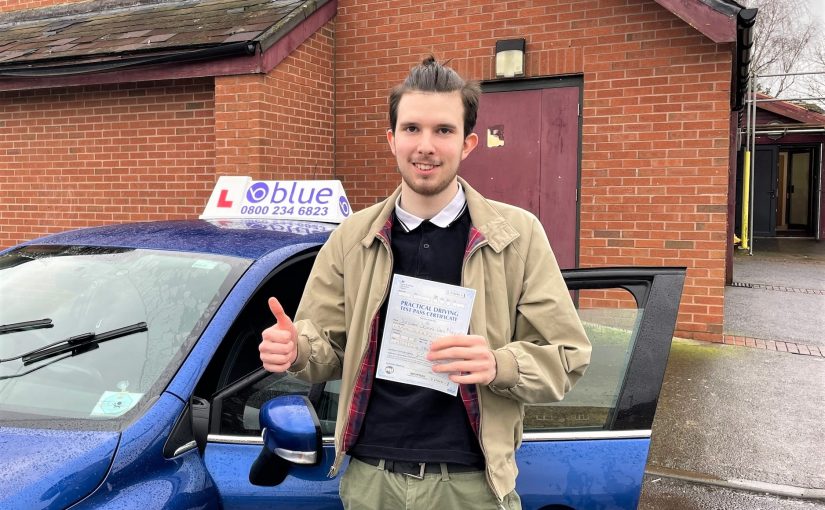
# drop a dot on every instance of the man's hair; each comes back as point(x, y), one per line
point(431, 76)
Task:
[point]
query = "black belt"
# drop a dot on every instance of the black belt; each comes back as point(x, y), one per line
point(418, 469)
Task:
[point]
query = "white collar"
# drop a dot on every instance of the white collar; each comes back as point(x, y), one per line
point(444, 217)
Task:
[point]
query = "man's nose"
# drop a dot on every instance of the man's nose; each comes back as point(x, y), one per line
point(425, 145)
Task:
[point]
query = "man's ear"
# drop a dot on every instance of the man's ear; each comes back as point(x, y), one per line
point(391, 140)
point(470, 142)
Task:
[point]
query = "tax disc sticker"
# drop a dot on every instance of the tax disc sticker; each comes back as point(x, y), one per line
point(115, 403)
point(204, 264)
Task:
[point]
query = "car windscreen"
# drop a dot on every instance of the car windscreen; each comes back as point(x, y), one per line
point(90, 335)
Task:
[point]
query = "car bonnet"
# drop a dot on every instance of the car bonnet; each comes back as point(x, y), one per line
point(45, 468)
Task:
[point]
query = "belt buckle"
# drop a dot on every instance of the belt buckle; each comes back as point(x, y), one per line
point(420, 475)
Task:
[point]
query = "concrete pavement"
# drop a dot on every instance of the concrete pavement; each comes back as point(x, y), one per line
point(735, 417)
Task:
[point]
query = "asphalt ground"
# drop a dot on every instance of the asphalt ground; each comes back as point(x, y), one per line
point(787, 297)
point(743, 427)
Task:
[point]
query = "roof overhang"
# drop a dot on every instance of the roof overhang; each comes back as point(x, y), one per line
point(790, 111)
point(722, 21)
point(714, 19)
point(202, 53)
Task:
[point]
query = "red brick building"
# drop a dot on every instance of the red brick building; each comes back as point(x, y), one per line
point(117, 111)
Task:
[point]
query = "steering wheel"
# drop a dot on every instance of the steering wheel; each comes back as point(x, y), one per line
point(65, 372)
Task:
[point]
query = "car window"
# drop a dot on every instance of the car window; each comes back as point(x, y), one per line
point(96, 290)
point(235, 378)
point(610, 319)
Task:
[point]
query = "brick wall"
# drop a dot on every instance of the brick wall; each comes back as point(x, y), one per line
point(19, 5)
point(655, 119)
point(80, 156)
point(279, 125)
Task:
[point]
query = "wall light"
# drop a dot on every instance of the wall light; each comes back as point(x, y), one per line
point(510, 58)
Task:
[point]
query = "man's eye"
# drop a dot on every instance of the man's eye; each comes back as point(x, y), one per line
point(410, 129)
point(445, 131)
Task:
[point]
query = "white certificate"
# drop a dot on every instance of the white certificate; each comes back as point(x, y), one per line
point(418, 312)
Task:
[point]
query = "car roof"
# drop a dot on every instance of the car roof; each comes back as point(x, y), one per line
point(239, 238)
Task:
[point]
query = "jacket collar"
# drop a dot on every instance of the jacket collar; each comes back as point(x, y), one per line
point(486, 218)
point(497, 231)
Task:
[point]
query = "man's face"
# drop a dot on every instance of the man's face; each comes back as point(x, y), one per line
point(429, 141)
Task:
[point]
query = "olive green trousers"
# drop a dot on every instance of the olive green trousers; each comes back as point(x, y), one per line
point(366, 487)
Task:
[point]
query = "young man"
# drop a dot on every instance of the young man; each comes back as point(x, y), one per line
point(410, 446)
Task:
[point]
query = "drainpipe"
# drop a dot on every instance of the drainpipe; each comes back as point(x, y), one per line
point(745, 20)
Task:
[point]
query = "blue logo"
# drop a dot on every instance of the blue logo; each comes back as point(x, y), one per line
point(343, 205)
point(257, 192)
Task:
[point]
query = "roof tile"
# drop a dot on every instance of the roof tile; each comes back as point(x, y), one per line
point(61, 42)
point(137, 33)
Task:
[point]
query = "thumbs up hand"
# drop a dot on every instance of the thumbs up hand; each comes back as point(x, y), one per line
point(279, 345)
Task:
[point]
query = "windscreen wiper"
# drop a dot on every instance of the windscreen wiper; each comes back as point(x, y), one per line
point(25, 326)
point(78, 344)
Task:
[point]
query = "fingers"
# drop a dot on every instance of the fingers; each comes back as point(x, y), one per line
point(466, 358)
point(278, 349)
point(482, 378)
point(480, 371)
point(458, 346)
point(276, 342)
point(284, 322)
point(458, 341)
point(459, 366)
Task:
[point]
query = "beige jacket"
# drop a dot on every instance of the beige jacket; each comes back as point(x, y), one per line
point(522, 307)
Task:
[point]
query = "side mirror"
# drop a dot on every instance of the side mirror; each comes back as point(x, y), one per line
point(292, 435)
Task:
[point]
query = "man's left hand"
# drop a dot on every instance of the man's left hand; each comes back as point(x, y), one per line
point(470, 360)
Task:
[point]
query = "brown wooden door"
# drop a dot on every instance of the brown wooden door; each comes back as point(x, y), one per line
point(528, 156)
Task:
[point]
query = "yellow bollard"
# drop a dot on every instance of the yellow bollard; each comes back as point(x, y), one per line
point(746, 198)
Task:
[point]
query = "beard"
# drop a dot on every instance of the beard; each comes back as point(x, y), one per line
point(430, 185)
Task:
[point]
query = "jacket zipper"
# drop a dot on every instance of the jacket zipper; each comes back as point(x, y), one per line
point(339, 454)
point(478, 393)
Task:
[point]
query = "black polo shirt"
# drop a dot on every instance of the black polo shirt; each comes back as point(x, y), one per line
point(406, 422)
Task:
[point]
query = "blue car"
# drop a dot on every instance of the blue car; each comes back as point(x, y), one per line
point(130, 377)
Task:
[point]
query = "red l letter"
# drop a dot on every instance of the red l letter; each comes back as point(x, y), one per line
point(222, 201)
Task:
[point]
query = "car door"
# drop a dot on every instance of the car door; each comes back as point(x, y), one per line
point(588, 451)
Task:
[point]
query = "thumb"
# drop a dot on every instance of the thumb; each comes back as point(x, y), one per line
point(284, 322)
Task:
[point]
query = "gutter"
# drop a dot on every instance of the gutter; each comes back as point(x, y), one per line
point(242, 48)
point(745, 20)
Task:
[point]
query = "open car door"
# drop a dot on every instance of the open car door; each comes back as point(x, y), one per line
point(590, 450)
